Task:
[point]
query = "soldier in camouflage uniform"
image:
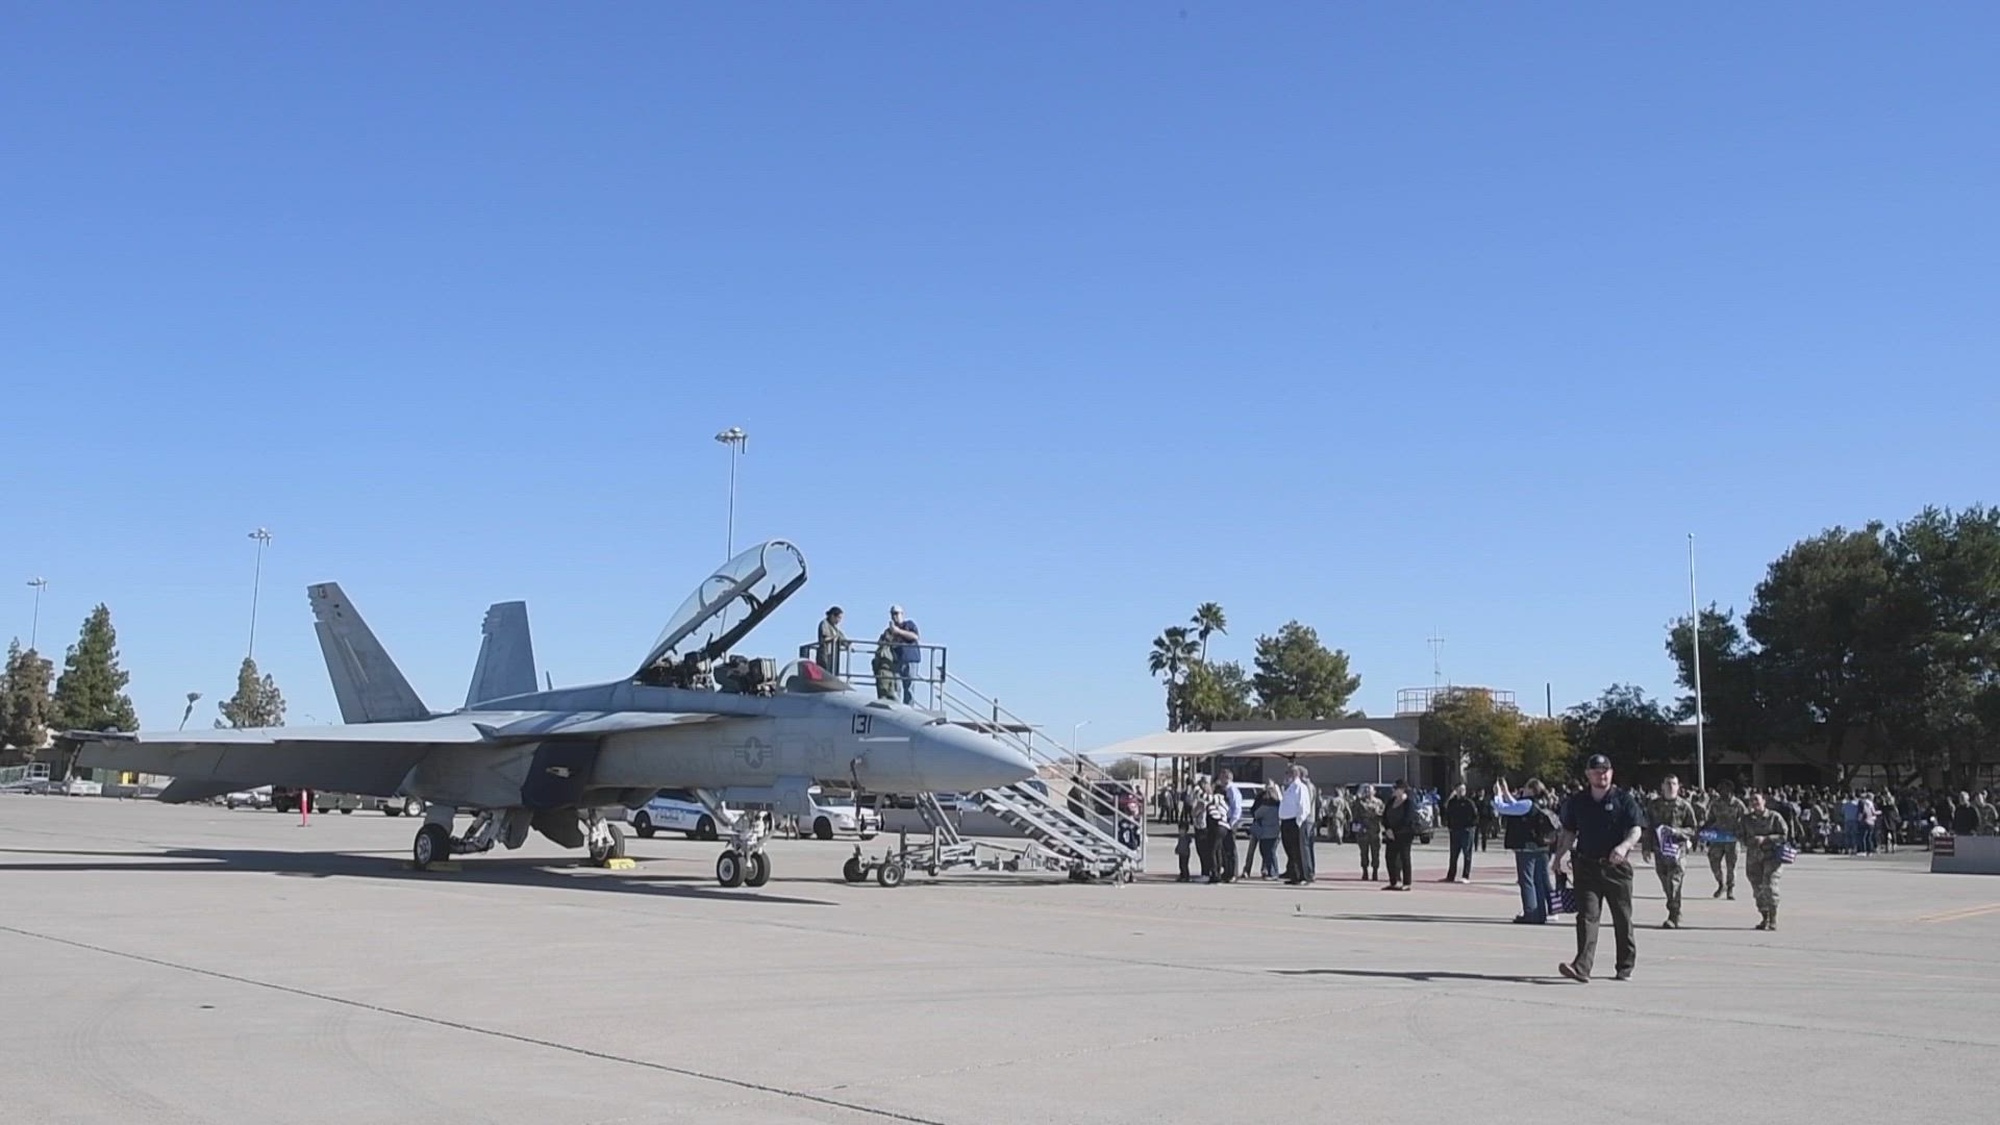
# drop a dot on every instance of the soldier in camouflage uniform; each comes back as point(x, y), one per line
point(1368, 813)
point(1673, 813)
point(1724, 814)
point(1340, 816)
point(1763, 832)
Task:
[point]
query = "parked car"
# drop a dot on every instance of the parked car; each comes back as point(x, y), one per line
point(826, 817)
point(258, 798)
point(82, 787)
point(286, 799)
point(675, 810)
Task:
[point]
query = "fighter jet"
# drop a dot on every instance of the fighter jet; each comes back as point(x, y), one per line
point(690, 716)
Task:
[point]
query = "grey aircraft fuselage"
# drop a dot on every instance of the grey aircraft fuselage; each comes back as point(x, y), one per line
point(599, 745)
point(619, 753)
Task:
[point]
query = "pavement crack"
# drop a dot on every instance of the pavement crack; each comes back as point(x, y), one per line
point(489, 1032)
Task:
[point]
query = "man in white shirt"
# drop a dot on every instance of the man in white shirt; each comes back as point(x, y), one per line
point(1291, 814)
point(1309, 825)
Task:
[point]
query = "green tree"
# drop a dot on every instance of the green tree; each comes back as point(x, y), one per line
point(90, 693)
point(257, 702)
point(1214, 693)
point(1126, 769)
point(25, 706)
point(1208, 619)
point(1174, 652)
point(1940, 661)
point(1832, 638)
point(1737, 715)
point(1623, 725)
point(1467, 721)
point(1299, 678)
point(1546, 752)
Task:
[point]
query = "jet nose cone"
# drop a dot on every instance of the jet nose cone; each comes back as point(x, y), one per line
point(966, 762)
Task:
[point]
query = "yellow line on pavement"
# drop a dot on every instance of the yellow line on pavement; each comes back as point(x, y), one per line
point(1968, 912)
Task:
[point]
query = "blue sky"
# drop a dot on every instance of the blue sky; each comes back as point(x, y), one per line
point(1048, 321)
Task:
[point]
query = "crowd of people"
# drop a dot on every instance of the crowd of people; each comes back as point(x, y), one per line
point(1573, 846)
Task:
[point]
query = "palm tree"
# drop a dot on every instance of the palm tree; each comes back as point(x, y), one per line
point(1208, 619)
point(1174, 652)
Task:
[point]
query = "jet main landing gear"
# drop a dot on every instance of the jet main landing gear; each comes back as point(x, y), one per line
point(604, 839)
point(435, 844)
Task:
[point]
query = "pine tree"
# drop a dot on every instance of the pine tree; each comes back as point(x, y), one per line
point(90, 694)
point(257, 702)
point(24, 699)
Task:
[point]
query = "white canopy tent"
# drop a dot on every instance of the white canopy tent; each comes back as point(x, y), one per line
point(1349, 741)
point(1347, 754)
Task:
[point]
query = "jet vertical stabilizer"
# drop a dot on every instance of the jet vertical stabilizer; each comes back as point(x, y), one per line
point(366, 682)
point(506, 656)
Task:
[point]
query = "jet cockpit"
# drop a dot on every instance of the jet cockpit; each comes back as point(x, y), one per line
point(721, 612)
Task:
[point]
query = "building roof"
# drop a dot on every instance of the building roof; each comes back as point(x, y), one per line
point(1348, 741)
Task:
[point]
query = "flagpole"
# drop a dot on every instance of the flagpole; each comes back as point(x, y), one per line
point(1694, 650)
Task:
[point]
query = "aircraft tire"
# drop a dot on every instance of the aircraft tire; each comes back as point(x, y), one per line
point(643, 824)
point(822, 829)
point(852, 871)
point(601, 854)
point(759, 872)
point(729, 868)
point(433, 845)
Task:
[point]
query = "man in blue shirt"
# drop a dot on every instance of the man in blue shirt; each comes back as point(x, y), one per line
point(1603, 823)
point(1522, 819)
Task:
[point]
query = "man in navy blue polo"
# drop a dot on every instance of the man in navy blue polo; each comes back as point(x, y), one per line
point(1603, 823)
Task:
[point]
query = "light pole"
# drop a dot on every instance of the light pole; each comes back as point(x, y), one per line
point(193, 696)
point(1075, 730)
point(263, 538)
point(735, 439)
point(1694, 651)
point(35, 628)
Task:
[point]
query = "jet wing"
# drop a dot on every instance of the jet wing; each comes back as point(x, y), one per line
point(371, 758)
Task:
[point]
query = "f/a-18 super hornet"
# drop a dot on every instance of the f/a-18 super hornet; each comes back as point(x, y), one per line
point(518, 759)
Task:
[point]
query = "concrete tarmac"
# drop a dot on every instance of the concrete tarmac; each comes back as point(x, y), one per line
point(191, 964)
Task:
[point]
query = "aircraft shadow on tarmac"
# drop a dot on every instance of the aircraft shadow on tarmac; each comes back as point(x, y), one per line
point(1419, 976)
point(391, 866)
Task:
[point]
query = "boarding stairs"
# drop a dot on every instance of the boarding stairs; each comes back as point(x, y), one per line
point(1071, 813)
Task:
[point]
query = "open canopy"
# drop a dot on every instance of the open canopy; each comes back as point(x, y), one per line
point(1359, 741)
point(730, 603)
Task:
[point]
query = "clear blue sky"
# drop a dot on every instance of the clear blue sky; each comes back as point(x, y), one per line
point(1047, 321)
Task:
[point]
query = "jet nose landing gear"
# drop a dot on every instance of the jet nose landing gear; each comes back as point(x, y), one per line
point(743, 863)
point(735, 869)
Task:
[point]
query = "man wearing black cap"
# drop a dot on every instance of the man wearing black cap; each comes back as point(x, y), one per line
point(1603, 823)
